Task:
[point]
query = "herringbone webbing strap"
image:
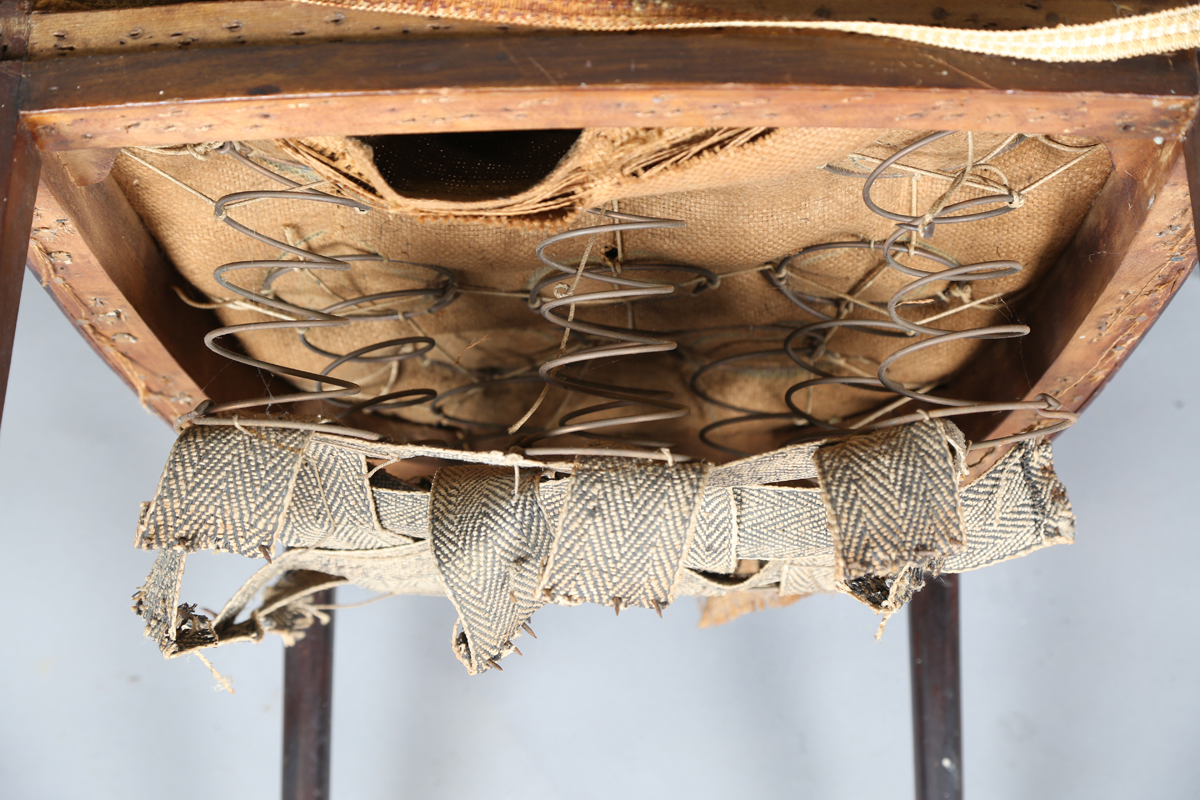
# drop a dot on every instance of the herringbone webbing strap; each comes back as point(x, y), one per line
point(625, 529)
point(224, 489)
point(1016, 507)
point(333, 505)
point(175, 628)
point(778, 522)
point(489, 538)
point(156, 601)
point(714, 548)
point(640, 531)
point(893, 505)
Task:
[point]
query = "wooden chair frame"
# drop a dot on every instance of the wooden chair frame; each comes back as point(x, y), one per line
point(63, 120)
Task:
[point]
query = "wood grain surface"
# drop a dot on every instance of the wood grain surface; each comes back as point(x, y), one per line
point(552, 81)
point(18, 185)
point(103, 268)
point(1133, 251)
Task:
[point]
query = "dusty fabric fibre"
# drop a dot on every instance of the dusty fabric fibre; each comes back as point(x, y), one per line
point(502, 535)
point(750, 198)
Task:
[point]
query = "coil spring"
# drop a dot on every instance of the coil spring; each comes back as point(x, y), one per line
point(705, 279)
point(816, 334)
point(654, 405)
point(302, 319)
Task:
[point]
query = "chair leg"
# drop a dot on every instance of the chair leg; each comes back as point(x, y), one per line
point(1191, 161)
point(19, 165)
point(307, 711)
point(937, 708)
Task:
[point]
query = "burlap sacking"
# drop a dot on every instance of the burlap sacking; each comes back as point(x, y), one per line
point(749, 197)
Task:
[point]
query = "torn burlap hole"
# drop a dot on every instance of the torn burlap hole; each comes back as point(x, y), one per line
point(539, 178)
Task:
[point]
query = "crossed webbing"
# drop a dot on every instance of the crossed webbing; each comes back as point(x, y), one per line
point(504, 535)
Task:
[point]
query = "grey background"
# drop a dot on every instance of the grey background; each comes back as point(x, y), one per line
point(1079, 662)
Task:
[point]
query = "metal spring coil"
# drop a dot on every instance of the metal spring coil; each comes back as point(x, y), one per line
point(815, 334)
point(302, 319)
point(647, 405)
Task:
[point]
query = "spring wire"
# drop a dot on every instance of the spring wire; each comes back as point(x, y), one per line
point(804, 345)
point(645, 405)
point(302, 319)
point(814, 335)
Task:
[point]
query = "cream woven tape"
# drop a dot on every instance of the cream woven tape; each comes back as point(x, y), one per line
point(503, 536)
point(1111, 40)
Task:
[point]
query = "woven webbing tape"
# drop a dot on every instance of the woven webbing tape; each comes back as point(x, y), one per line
point(623, 533)
point(504, 535)
point(490, 539)
point(893, 503)
point(1162, 31)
